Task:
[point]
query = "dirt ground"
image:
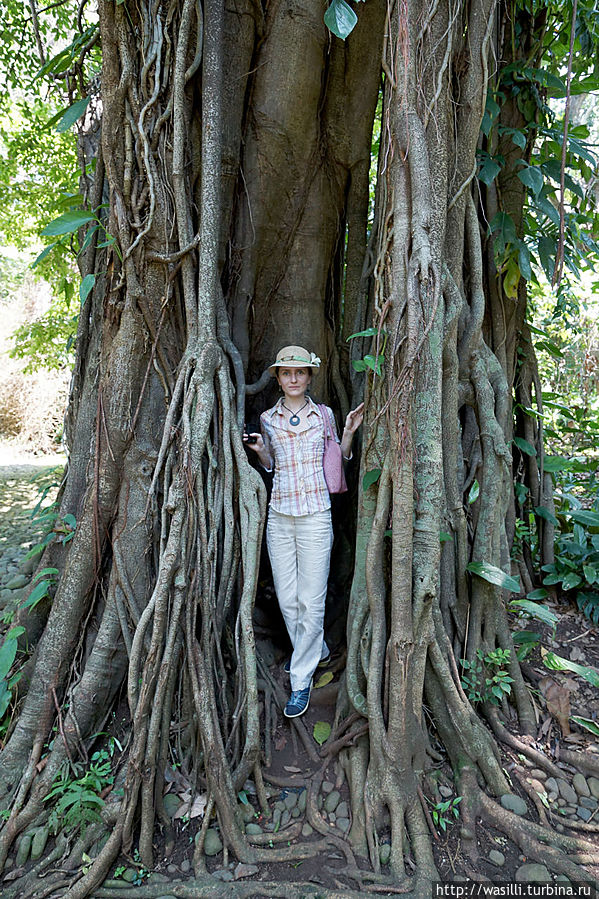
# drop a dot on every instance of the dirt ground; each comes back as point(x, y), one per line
point(296, 755)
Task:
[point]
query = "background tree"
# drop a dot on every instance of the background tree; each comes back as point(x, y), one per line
point(236, 219)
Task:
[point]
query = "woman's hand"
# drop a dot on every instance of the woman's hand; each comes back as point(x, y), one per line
point(257, 444)
point(354, 419)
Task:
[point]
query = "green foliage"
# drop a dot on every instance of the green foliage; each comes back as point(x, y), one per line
point(557, 663)
point(76, 802)
point(485, 678)
point(8, 654)
point(447, 812)
point(370, 361)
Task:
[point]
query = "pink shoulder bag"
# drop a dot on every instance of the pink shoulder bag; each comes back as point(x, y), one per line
point(332, 460)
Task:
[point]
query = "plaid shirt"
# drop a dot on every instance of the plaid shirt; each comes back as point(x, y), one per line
point(299, 487)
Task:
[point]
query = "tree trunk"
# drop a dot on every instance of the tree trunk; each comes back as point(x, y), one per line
point(235, 151)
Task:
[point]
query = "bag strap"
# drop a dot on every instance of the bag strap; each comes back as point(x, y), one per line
point(328, 431)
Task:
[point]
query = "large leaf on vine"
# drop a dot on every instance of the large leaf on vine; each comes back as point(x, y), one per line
point(494, 575)
point(340, 18)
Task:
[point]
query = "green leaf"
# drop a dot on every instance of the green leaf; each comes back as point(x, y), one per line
point(86, 287)
point(375, 363)
point(321, 732)
point(70, 520)
point(72, 114)
point(324, 679)
point(5, 697)
point(524, 446)
point(43, 573)
point(371, 477)
point(340, 19)
point(359, 365)
point(542, 512)
point(474, 492)
point(45, 252)
point(68, 223)
point(369, 332)
point(540, 593)
point(445, 537)
point(556, 463)
point(557, 663)
point(494, 575)
point(36, 595)
point(489, 168)
point(503, 224)
point(587, 723)
point(571, 580)
point(8, 652)
point(536, 610)
point(242, 796)
point(586, 517)
point(532, 177)
point(590, 573)
point(524, 638)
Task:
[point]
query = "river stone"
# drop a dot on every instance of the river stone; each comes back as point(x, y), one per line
point(19, 580)
point(532, 873)
point(246, 811)
point(593, 783)
point(301, 802)
point(185, 865)
point(540, 775)
point(385, 853)
point(285, 818)
point(172, 869)
point(580, 785)
point(276, 818)
point(307, 830)
point(588, 802)
point(551, 785)
point(342, 824)
point(327, 786)
point(569, 810)
point(342, 811)
point(445, 791)
point(290, 800)
point(213, 843)
point(583, 813)
point(253, 828)
point(38, 844)
point(130, 874)
point(332, 801)
point(171, 803)
point(280, 805)
point(296, 812)
point(567, 792)
point(242, 870)
point(223, 874)
point(561, 802)
point(514, 804)
point(496, 858)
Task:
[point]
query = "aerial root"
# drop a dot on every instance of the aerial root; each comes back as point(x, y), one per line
point(541, 844)
point(209, 887)
point(535, 755)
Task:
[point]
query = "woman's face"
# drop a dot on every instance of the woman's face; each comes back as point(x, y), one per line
point(294, 381)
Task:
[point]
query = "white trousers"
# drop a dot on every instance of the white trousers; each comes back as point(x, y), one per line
point(299, 548)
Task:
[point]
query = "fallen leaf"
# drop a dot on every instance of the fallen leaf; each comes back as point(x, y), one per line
point(324, 679)
point(321, 732)
point(292, 769)
point(558, 702)
point(280, 742)
point(199, 807)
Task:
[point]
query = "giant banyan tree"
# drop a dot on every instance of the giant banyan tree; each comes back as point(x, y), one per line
point(233, 147)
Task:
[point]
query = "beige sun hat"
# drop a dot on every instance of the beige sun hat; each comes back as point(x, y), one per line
point(294, 357)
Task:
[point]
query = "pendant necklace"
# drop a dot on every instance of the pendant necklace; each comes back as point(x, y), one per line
point(294, 418)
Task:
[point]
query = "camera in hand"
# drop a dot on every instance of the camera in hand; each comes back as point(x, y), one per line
point(251, 438)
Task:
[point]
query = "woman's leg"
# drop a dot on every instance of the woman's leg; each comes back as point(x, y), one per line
point(314, 539)
point(282, 552)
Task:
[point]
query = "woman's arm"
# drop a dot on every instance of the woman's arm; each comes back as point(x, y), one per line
point(352, 423)
point(261, 446)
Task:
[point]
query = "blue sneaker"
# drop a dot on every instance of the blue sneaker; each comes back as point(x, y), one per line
point(297, 703)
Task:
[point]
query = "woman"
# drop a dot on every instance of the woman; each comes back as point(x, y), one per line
point(299, 533)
